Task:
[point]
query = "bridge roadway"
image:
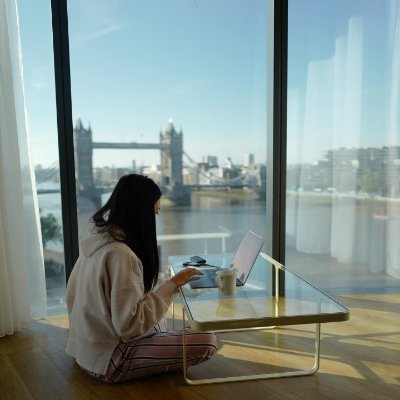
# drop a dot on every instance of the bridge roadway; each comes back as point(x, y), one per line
point(194, 186)
point(219, 185)
point(131, 145)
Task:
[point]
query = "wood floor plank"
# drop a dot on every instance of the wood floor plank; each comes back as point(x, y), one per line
point(20, 340)
point(166, 387)
point(41, 377)
point(359, 361)
point(12, 386)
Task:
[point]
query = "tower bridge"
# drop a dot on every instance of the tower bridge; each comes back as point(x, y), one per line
point(171, 153)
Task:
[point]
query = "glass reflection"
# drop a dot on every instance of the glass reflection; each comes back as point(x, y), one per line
point(343, 145)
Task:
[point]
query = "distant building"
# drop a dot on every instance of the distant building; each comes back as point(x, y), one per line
point(228, 163)
point(248, 160)
point(371, 170)
point(212, 161)
point(153, 172)
point(134, 167)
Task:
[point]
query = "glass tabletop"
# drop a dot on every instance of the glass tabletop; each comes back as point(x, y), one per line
point(257, 303)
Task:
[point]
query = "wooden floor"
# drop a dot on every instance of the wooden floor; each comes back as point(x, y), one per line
point(360, 359)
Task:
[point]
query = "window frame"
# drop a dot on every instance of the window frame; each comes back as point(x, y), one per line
point(276, 133)
point(65, 133)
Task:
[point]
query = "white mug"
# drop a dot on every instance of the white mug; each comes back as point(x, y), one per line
point(226, 281)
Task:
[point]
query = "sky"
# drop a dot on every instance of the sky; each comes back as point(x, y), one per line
point(203, 63)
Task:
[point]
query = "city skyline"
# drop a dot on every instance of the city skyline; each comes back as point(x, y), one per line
point(132, 69)
point(364, 170)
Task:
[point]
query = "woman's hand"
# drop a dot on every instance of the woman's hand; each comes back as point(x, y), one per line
point(185, 276)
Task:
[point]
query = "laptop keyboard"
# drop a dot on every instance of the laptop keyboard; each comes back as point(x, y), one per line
point(207, 279)
point(210, 275)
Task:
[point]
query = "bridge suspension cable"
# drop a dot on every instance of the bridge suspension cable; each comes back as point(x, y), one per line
point(210, 175)
point(50, 171)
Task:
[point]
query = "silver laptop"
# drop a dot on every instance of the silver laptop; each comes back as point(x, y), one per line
point(243, 261)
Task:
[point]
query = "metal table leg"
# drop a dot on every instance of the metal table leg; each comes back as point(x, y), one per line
point(285, 374)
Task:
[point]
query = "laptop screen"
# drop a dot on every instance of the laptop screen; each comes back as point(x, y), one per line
point(246, 255)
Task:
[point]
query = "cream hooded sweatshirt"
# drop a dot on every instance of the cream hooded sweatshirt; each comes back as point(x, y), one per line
point(106, 301)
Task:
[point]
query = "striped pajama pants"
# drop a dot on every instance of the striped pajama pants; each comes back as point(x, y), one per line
point(157, 353)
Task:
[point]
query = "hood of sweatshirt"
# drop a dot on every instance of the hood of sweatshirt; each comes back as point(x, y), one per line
point(94, 241)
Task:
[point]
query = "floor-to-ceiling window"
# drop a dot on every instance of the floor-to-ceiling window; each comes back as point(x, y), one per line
point(177, 91)
point(37, 56)
point(343, 152)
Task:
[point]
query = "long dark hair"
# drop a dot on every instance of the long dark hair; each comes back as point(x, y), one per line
point(130, 208)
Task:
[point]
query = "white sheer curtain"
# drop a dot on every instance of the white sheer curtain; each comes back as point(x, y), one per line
point(350, 226)
point(393, 229)
point(22, 280)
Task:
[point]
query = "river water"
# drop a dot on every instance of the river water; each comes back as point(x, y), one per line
point(218, 213)
point(342, 245)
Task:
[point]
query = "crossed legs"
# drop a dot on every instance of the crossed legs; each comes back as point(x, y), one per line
point(158, 353)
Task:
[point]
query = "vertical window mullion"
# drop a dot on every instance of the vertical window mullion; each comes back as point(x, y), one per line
point(65, 132)
point(276, 178)
point(276, 141)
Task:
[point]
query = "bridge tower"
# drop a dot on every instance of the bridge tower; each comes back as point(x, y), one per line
point(83, 156)
point(172, 165)
point(171, 158)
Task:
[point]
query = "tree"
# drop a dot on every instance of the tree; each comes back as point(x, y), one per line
point(51, 230)
point(370, 183)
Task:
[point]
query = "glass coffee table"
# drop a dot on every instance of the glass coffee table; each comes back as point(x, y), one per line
point(261, 303)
